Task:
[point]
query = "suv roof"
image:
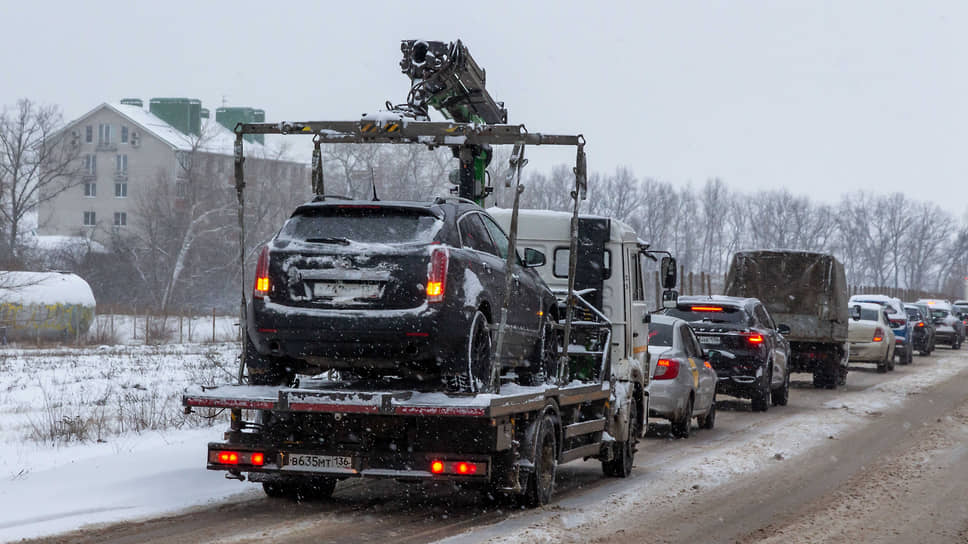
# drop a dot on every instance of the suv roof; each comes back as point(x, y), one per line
point(718, 299)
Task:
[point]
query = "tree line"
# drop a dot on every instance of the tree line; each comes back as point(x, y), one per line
point(182, 250)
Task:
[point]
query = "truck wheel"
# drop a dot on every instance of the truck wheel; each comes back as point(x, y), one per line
point(545, 366)
point(781, 395)
point(708, 421)
point(477, 375)
point(683, 426)
point(541, 481)
point(264, 370)
point(621, 464)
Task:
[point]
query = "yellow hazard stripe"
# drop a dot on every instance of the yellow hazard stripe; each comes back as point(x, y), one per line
point(640, 349)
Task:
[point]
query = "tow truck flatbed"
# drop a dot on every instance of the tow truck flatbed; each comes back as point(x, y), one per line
point(332, 397)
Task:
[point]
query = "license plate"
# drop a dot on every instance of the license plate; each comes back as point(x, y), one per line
point(346, 291)
point(709, 340)
point(320, 463)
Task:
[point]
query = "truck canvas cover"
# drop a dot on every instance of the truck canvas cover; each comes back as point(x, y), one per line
point(805, 290)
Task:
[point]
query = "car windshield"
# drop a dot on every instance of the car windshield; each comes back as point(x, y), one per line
point(341, 225)
point(712, 313)
point(660, 334)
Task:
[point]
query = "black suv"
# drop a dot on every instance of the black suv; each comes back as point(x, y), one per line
point(922, 329)
point(755, 362)
point(407, 289)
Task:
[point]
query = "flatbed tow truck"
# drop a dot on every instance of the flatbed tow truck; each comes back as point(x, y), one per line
point(299, 441)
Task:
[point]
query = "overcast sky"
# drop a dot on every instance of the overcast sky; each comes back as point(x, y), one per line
point(818, 97)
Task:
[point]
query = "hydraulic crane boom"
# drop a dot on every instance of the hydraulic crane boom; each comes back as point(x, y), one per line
point(446, 77)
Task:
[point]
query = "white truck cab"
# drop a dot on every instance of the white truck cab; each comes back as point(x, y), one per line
point(610, 264)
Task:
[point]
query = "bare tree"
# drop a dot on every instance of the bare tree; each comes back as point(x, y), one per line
point(37, 163)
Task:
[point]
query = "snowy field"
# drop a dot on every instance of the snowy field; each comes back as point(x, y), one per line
point(97, 435)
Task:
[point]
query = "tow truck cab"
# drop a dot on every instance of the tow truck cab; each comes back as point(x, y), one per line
point(610, 273)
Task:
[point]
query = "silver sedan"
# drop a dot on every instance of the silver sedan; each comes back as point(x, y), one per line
point(682, 383)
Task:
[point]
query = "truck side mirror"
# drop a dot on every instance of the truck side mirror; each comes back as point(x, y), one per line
point(855, 312)
point(670, 298)
point(533, 258)
point(668, 273)
point(783, 329)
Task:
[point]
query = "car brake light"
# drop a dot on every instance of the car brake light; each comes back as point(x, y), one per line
point(666, 369)
point(921, 324)
point(228, 458)
point(437, 277)
point(261, 288)
point(878, 335)
point(754, 338)
point(437, 467)
point(706, 308)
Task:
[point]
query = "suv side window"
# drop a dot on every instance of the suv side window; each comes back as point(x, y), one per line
point(764, 318)
point(500, 239)
point(473, 235)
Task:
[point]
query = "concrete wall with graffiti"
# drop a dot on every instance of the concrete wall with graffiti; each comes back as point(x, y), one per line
point(44, 306)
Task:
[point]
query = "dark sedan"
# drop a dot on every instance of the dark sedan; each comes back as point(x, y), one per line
point(408, 289)
point(743, 327)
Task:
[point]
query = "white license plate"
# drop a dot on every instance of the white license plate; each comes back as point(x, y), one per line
point(322, 463)
point(709, 340)
point(346, 291)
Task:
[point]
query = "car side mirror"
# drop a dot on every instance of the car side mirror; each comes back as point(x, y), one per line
point(670, 298)
point(714, 356)
point(855, 312)
point(668, 267)
point(533, 258)
point(783, 329)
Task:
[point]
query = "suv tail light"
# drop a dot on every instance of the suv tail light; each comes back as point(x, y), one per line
point(437, 276)
point(754, 338)
point(666, 369)
point(261, 288)
point(878, 335)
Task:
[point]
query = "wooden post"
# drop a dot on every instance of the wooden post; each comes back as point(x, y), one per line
point(213, 325)
point(134, 324)
point(709, 283)
point(181, 325)
point(658, 296)
point(146, 327)
point(691, 291)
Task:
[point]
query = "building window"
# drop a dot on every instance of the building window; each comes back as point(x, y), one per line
point(181, 189)
point(124, 134)
point(120, 219)
point(121, 164)
point(90, 165)
point(104, 134)
point(89, 134)
point(90, 189)
point(89, 219)
point(121, 189)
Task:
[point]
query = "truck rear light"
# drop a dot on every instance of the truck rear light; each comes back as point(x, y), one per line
point(666, 369)
point(261, 288)
point(920, 323)
point(437, 276)
point(878, 335)
point(228, 457)
point(706, 308)
point(460, 468)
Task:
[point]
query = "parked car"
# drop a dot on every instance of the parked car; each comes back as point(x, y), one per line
point(922, 332)
point(684, 384)
point(759, 368)
point(899, 322)
point(960, 309)
point(949, 329)
point(409, 289)
point(871, 337)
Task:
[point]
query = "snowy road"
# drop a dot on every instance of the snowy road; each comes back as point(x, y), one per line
point(882, 461)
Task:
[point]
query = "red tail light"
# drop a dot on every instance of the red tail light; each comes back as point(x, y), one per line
point(228, 458)
point(878, 335)
point(754, 338)
point(666, 369)
point(437, 277)
point(461, 468)
point(261, 288)
point(706, 308)
point(921, 324)
point(253, 458)
point(257, 459)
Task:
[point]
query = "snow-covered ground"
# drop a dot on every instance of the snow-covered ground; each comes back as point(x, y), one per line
point(51, 485)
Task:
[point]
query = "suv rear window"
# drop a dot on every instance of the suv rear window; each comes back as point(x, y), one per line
point(713, 313)
point(358, 224)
